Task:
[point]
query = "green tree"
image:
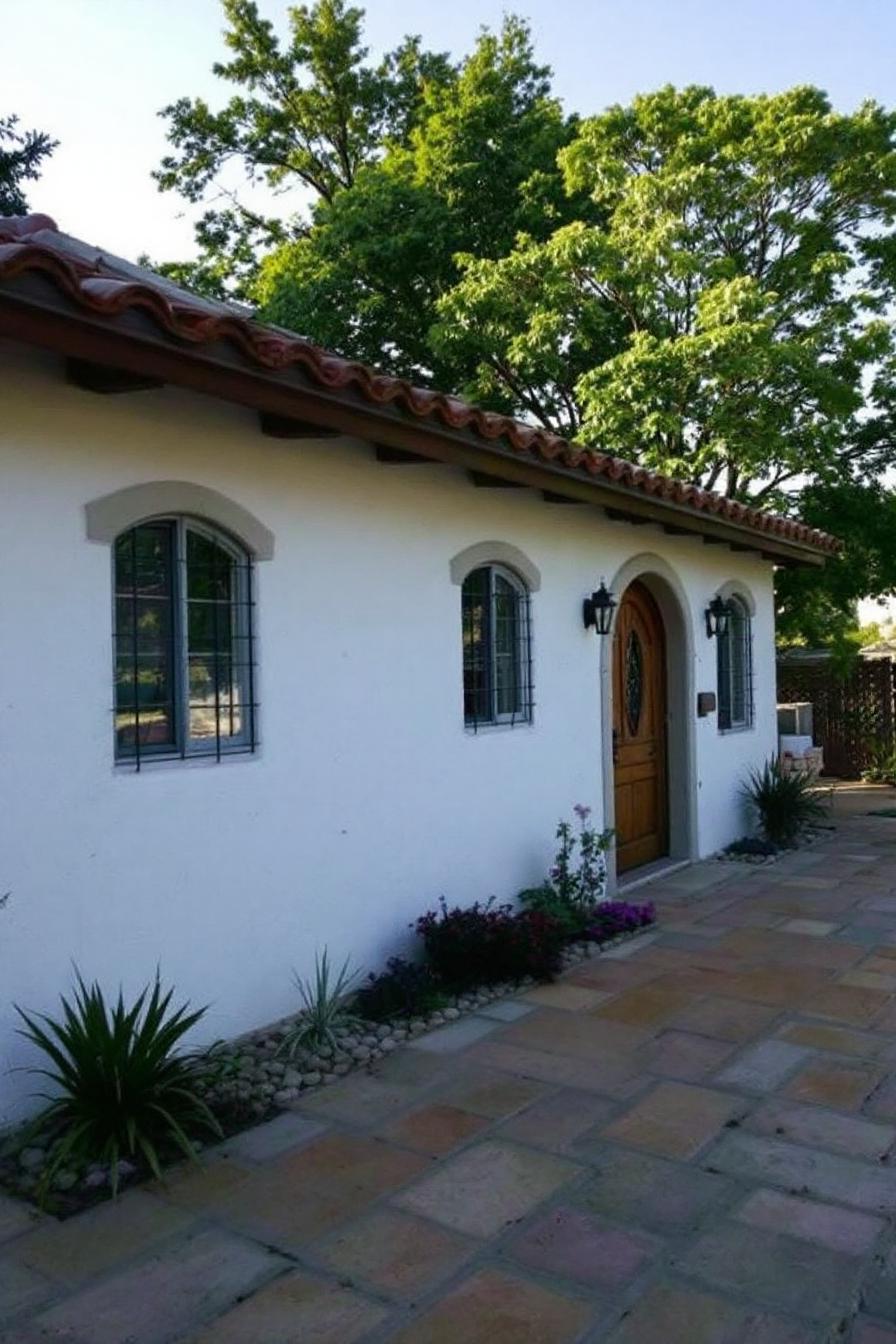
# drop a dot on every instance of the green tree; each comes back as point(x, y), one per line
point(21, 156)
point(309, 114)
point(735, 286)
point(479, 166)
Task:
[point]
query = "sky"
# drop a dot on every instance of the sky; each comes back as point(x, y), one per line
point(94, 73)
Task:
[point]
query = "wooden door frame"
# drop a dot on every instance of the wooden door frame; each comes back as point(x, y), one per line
point(664, 585)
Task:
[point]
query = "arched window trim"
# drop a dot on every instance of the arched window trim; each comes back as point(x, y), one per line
point(734, 663)
point(229, 651)
point(483, 692)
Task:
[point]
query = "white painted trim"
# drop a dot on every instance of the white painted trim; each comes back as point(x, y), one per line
point(495, 553)
point(736, 588)
point(110, 515)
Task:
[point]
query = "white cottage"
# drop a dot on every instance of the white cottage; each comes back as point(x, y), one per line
point(293, 648)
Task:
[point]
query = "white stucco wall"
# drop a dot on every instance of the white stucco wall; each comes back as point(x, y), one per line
point(367, 799)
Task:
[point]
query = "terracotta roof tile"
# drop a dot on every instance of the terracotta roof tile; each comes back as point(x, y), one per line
point(108, 286)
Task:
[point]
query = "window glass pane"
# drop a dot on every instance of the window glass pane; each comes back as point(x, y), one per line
point(217, 641)
point(737, 638)
point(475, 606)
point(508, 697)
point(144, 642)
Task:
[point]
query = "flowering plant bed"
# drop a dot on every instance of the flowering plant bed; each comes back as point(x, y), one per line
point(472, 956)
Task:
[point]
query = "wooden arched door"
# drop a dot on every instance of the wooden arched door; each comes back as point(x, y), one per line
point(639, 730)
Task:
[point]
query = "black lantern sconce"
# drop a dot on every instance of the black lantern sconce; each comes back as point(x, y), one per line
point(597, 610)
point(718, 614)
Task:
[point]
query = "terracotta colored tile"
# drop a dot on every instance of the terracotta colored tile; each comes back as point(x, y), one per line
point(674, 1119)
point(684, 1055)
point(610, 1075)
point(494, 1307)
point(295, 1310)
point(102, 1238)
point(558, 1120)
point(844, 1003)
point(648, 1006)
point(673, 1314)
point(487, 1186)
point(575, 1245)
point(844, 1230)
point(819, 1128)
point(841, 1084)
point(772, 986)
point(572, 998)
point(813, 928)
point(359, 1095)
point(867, 979)
point(579, 1035)
point(883, 1104)
point(394, 1252)
point(726, 1019)
point(837, 1040)
point(872, 1332)
point(434, 1129)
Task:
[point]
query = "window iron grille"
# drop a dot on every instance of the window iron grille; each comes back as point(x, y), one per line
point(497, 649)
point(735, 670)
point(183, 636)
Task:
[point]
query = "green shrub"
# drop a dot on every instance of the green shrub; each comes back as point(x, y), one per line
point(324, 1010)
point(485, 944)
point(124, 1091)
point(571, 919)
point(575, 885)
point(787, 805)
point(881, 767)
point(404, 989)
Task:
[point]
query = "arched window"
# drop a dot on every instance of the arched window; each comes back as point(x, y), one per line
point(496, 647)
point(735, 668)
point(183, 642)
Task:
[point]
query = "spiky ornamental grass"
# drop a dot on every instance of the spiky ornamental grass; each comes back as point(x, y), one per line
point(122, 1089)
point(324, 1010)
point(787, 805)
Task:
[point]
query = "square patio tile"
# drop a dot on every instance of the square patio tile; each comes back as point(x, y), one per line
point(101, 1238)
point(573, 1244)
point(558, 1120)
point(684, 1055)
point(506, 1010)
point(360, 1098)
point(818, 1128)
point(872, 1332)
point(676, 1314)
point(487, 1186)
point(813, 1172)
point(840, 1084)
point(764, 1066)
point(21, 1288)
point(649, 1006)
point(16, 1217)
point(572, 998)
point(843, 1230)
point(778, 1271)
point(167, 1295)
point(296, 1310)
point(869, 979)
point(456, 1036)
point(814, 928)
point(674, 1119)
point(395, 1253)
point(846, 1003)
point(273, 1138)
point(434, 1129)
point(492, 1096)
point(494, 1307)
point(725, 1019)
point(650, 1192)
point(836, 1040)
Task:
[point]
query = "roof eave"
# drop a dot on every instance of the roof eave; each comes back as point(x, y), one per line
point(34, 311)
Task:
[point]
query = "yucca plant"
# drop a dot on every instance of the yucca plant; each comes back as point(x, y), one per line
point(121, 1087)
point(324, 1009)
point(786, 804)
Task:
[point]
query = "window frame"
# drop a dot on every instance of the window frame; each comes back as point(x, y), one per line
point(734, 668)
point(186, 746)
point(523, 650)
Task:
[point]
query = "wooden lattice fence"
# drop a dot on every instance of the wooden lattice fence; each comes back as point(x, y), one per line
point(852, 714)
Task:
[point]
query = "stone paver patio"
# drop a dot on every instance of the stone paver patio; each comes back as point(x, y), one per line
point(688, 1140)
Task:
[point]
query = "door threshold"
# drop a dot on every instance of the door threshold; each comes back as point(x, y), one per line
point(649, 872)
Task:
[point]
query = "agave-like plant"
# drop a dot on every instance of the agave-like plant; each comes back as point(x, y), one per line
point(786, 804)
point(121, 1089)
point(324, 1009)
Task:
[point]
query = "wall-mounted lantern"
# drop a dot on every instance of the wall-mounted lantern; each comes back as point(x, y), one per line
point(718, 614)
point(597, 610)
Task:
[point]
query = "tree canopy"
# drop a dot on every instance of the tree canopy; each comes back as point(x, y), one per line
point(21, 155)
point(701, 283)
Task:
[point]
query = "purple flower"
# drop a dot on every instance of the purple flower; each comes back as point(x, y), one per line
point(582, 812)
